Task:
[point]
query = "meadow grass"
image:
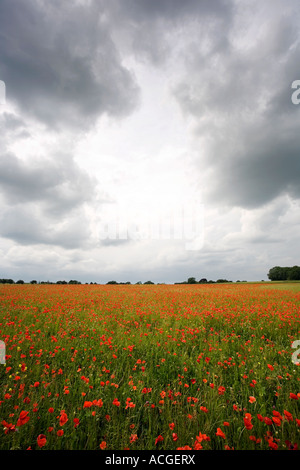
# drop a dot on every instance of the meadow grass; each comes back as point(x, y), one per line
point(149, 367)
point(293, 286)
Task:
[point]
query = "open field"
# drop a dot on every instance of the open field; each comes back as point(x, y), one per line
point(293, 286)
point(149, 367)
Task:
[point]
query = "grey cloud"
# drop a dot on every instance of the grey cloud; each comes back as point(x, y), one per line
point(60, 65)
point(151, 29)
point(244, 118)
point(59, 184)
point(12, 128)
point(11, 122)
point(28, 225)
point(265, 167)
point(171, 9)
point(262, 226)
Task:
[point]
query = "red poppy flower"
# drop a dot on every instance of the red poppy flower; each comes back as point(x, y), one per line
point(288, 415)
point(272, 444)
point(23, 418)
point(98, 403)
point(291, 446)
point(293, 396)
point(276, 420)
point(268, 421)
point(63, 418)
point(102, 445)
point(87, 404)
point(158, 439)
point(8, 427)
point(202, 437)
point(247, 421)
point(220, 433)
point(41, 440)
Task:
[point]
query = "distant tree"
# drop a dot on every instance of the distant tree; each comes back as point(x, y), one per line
point(191, 280)
point(33, 282)
point(277, 273)
point(112, 282)
point(148, 282)
point(203, 281)
point(20, 281)
point(7, 281)
point(139, 282)
point(294, 273)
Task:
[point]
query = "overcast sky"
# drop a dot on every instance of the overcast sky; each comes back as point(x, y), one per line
point(148, 139)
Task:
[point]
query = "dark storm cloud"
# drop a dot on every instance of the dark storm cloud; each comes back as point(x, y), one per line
point(267, 167)
point(247, 126)
point(151, 29)
point(60, 65)
point(171, 9)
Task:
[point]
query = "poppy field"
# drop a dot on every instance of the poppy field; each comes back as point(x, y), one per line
point(166, 367)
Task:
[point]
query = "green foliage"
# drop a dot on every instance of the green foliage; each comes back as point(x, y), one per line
point(278, 273)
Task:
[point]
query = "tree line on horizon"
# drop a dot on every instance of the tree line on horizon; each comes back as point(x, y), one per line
point(279, 273)
point(190, 280)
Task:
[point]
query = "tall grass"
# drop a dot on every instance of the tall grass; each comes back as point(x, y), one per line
point(132, 363)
